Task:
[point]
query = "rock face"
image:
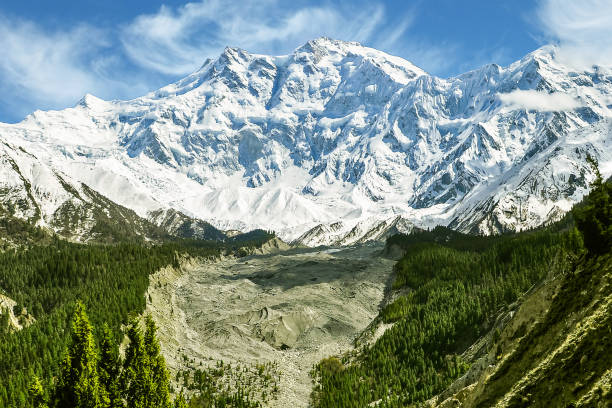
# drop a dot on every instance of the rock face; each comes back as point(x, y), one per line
point(335, 132)
point(42, 195)
point(13, 318)
point(179, 224)
point(367, 230)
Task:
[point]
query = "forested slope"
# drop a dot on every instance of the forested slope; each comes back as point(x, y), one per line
point(110, 280)
point(453, 297)
point(556, 347)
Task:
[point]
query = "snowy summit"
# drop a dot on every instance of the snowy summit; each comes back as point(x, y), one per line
point(334, 143)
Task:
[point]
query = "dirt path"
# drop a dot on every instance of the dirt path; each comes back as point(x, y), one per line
point(293, 308)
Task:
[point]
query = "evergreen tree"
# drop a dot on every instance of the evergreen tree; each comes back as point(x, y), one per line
point(136, 376)
point(79, 385)
point(108, 368)
point(146, 381)
point(180, 402)
point(37, 394)
point(594, 217)
point(159, 375)
point(4, 320)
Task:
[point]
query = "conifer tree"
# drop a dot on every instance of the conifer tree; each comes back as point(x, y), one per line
point(180, 402)
point(136, 376)
point(108, 368)
point(4, 320)
point(594, 218)
point(159, 374)
point(146, 381)
point(37, 394)
point(79, 385)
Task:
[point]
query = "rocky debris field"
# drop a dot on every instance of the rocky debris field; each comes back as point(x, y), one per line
point(291, 309)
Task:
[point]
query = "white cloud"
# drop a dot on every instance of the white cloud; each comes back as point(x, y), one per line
point(51, 69)
point(176, 41)
point(45, 65)
point(583, 30)
point(539, 100)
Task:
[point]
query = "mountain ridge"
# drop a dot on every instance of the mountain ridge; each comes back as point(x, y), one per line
point(339, 132)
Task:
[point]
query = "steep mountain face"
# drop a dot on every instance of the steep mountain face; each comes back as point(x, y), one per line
point(179, 225)
point(368, 230)
point(336, 135)
point(44, 197)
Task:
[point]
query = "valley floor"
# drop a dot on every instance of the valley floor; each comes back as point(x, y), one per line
point(292, 308)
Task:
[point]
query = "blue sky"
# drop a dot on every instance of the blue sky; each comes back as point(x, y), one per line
point(53, 52)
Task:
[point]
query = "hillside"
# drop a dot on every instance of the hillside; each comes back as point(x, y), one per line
point(41, 283)
point(513, 320)
point(551, 348)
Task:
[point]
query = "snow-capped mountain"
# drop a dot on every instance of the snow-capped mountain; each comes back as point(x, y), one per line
point(336, 137)
point(366, 230)
point(31, 190)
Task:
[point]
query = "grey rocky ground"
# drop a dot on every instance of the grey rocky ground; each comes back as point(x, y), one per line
point(293, 308)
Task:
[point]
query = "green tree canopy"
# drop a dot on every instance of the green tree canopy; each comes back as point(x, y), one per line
point(79, 384)
point(108, 368)
point(594, 216)
point(37, 394)
point(160, 379)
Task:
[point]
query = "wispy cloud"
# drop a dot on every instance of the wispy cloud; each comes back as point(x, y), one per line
point(52, 68)
point(48, 69)
point(538, 100)
point(175, 40)
point(42, 65)
point(582, 29)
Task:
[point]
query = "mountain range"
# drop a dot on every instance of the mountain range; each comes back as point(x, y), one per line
point(335, 143)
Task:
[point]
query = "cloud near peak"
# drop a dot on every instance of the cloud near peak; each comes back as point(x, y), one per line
point(174, 41)
point(583, 30)
point(539, 100)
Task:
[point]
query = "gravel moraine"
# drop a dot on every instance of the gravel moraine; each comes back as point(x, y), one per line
point(294, 308)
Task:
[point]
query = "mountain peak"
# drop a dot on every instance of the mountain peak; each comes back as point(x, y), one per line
point(337, 131)
point(331, 43)
point(545, 56)
point(397, 67)
point(545, 52)
point(234, 51)
point(326, 46)
point(92, 102)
